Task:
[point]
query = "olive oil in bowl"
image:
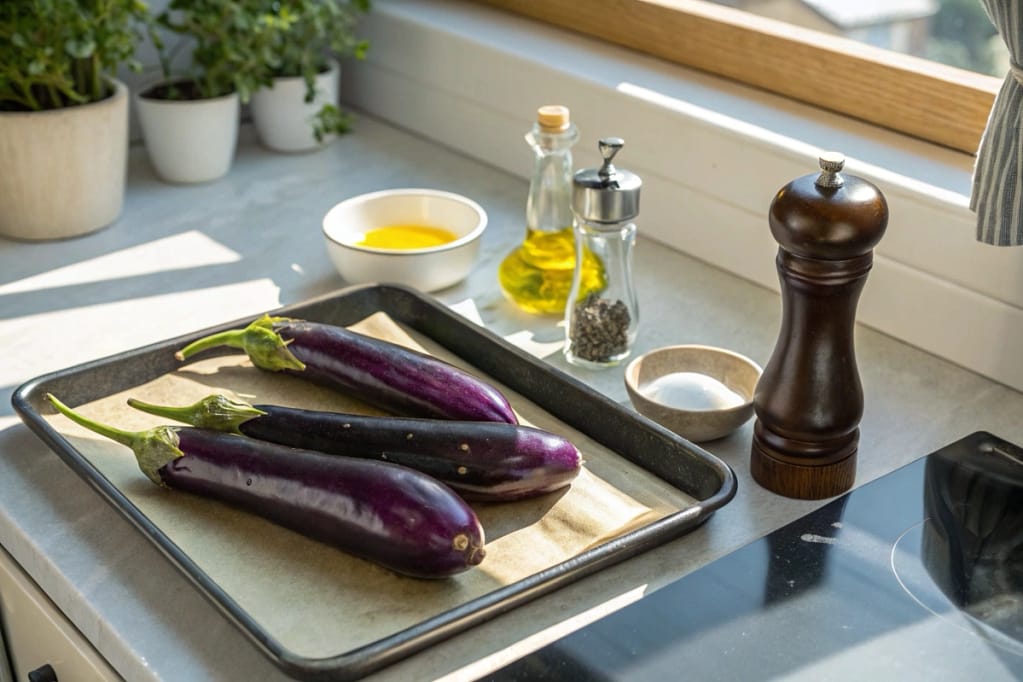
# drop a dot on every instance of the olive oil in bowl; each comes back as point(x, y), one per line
point(406, 236)
point(425, 239)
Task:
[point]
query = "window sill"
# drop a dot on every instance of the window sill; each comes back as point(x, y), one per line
point(712, 154)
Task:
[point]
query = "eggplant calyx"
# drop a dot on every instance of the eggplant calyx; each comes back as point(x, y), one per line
point(153, 448)
point(264, 346)
point(217, 412)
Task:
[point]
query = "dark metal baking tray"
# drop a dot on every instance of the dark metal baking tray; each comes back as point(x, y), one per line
point(675, 460)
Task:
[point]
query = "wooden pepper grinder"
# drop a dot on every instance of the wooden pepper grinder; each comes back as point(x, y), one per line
point(809, 401)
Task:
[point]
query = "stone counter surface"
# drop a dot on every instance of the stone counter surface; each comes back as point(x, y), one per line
point(181, 258)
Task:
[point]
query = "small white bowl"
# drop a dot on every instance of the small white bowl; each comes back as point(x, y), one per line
point(700, 392)
point(426, 269)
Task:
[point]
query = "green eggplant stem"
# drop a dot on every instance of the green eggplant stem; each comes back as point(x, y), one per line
point(217, 412)
point(126, 438)
point(264, 346)
point(153, 448)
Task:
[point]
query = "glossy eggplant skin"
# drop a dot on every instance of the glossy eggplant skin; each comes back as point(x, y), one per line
point(390, 376)
point(386, 513)
point(484, 461)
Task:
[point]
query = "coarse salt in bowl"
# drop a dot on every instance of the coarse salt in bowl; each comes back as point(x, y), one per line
point(700, 392)
point(427, 268)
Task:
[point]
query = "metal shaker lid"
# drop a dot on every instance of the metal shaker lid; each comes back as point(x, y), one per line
point(606, 194)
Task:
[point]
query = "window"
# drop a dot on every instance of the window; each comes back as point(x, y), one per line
point(908, 94)
point(954, 32)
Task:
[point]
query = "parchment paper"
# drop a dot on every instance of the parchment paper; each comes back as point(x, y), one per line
point(315, 600)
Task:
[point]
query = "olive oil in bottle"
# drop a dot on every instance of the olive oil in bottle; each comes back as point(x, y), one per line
point(537, 275)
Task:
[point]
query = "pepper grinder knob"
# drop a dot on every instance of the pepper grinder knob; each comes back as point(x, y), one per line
point(809, 400)
point(831, 164)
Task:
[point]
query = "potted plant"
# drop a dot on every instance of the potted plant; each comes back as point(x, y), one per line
point(304, 41)
point(190, 119)
point(63, 115)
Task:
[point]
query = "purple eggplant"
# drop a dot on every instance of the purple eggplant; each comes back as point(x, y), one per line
point(486, 461)
point(383, 374)
point(389, 514)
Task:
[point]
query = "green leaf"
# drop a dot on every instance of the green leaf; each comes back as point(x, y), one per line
point(81, 48)
point(56, 53)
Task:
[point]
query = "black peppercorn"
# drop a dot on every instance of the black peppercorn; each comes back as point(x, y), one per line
point(600, 329)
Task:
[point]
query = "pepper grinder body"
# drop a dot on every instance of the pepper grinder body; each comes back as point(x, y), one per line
point(809, 400)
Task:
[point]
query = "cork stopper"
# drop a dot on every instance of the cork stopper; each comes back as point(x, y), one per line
point(552, 118)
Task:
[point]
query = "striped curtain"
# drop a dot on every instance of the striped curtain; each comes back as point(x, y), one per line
point(997, 196)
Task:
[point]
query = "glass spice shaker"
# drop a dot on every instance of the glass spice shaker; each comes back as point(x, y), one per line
point(602, 315)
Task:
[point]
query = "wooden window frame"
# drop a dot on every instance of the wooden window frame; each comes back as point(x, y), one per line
point(917, 97)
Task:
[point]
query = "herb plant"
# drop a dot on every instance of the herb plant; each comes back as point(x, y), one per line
point(241, 45)
point(228, 41)
point(59, 53)
point(306, 33)
point(302, 36)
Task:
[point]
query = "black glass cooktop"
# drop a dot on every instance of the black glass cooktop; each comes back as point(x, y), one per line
point(915, 576)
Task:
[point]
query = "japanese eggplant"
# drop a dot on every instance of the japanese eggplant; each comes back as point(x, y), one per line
point(386, 513)
point(382, 373)
point(486, 461)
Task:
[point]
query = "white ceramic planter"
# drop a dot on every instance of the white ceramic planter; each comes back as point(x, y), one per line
point(63, 170)
point(190, 141)
point(282, 117)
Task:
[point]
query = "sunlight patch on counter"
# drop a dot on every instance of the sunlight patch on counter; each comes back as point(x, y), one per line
point(523, 339)
point(469, 310)
point(540, 639)
point(44, 342)
point(181, 251)
point(527, 341)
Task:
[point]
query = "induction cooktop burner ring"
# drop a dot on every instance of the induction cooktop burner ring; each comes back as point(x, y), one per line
point(909, 569)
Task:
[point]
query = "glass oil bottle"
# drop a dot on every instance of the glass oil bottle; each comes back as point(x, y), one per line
point(537, 275)
point(602, 317)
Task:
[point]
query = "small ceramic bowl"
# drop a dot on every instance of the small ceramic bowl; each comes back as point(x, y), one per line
point(427, 269)
point(699, 392)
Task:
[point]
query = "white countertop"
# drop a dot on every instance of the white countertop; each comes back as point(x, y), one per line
point(181, 258)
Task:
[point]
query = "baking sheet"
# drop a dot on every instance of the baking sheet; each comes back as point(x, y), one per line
point(320, 613)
